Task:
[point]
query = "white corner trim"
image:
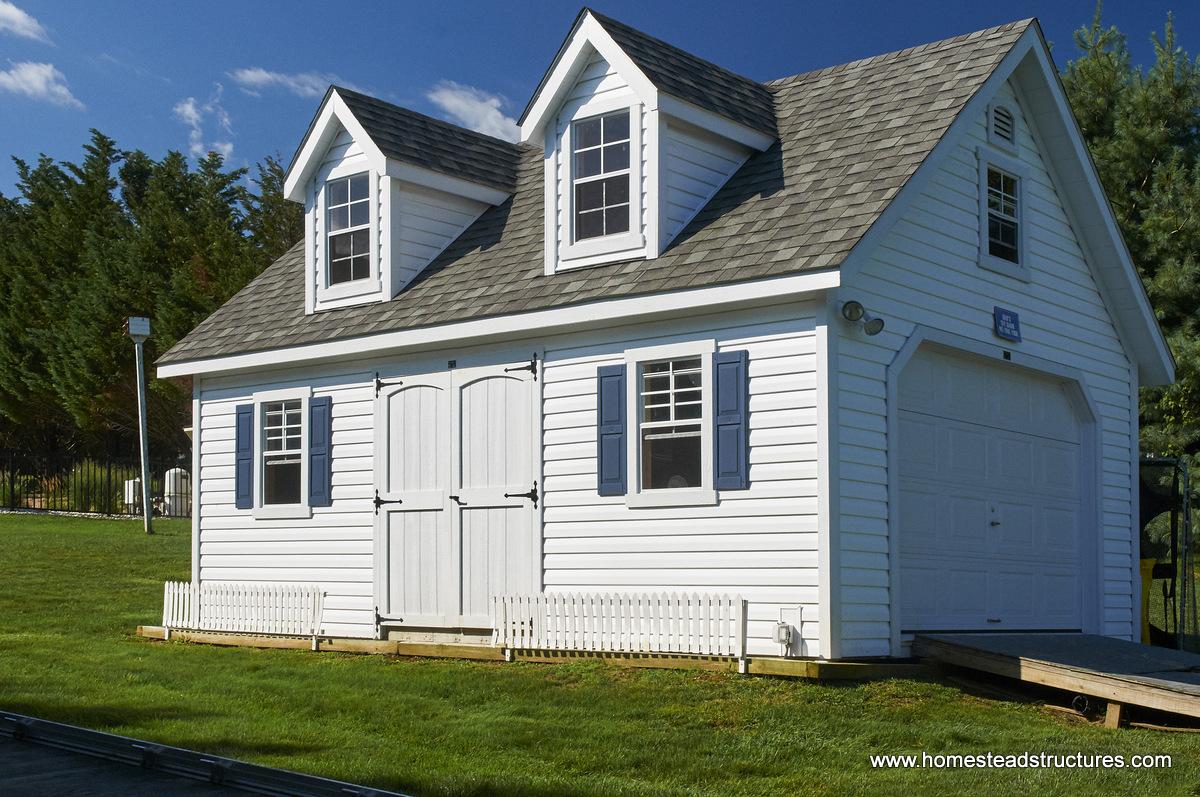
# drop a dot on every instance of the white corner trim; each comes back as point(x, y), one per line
point(332, 114)
point(705, 494)
point(829, 560)
point(606, 312)
point(1091, 445)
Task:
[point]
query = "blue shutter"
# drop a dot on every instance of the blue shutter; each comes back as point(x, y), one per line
point(320, 451)
point(243, 446)
point(731, 420)
point(610, 430)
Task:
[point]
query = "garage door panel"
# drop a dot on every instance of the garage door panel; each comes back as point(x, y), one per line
point(989, 498)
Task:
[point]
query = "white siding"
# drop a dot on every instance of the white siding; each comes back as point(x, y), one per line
point(696, 164)
point(759, 542)
point(424, 222)
point(924, 271)
point(333, 548)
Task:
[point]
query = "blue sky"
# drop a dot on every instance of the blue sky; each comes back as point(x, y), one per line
point(245, 77)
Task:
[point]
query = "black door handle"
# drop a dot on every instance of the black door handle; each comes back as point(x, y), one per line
point(532, 495)
point(458, 500)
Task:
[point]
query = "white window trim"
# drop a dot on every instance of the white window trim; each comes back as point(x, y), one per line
point(990, 157)
point(281, 511)
point(591, 251)
point(995, 140)
point(346, 293)
point(705, 494)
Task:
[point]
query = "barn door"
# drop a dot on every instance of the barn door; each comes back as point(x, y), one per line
point(417, 580)
point(493, 493)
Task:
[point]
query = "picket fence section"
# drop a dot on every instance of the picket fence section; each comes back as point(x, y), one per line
point(702, 624)
point(241, 607)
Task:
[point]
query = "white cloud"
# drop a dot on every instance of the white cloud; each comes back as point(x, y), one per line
point(19, 23)
point(254, 80)
point(39, 82)
point(473, 108)
point(199, 115)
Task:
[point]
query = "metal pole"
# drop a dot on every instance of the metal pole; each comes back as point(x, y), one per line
point(145, 442)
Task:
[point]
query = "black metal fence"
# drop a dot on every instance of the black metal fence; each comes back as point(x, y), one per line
point(91, 485)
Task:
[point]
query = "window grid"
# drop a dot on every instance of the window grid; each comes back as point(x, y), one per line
point(283, 431)
point(672, 399)
point(601, 175)
point(1003, 214)
point(348, 210)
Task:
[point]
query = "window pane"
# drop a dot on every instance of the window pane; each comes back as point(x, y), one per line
point(616, 157)
point(339, 218)
point(589, 196)
point(671, 458)
point(339, 271)
point(358, 187)
point(587, 133)
point(1002, 238)
point(616, 190)
point(616, 220)
point(587, 163)
point(686, 380)
point(657, 382)
point(616, 127)
point(360, 242)
point(360, 213)
point(339, 245)
point(361, 268)
point(336, 193)
point(654, 368)
point(688, 412)
point(281, 481)
point(660, 413)
point(589, 225)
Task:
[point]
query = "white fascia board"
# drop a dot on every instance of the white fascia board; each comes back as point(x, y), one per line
point(588, 35)
point(608, 312)
point(714, 123)
point(427, 178)
point(1135, 319)
point(333, 114)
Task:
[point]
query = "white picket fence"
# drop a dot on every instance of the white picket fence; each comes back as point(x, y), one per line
point(240, 607)
point(704, 624)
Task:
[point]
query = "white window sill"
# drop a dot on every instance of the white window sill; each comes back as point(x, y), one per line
point(690, 496)
point(282, 512)
point(1005, 267)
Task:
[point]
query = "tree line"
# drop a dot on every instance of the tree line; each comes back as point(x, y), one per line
point(83, 245)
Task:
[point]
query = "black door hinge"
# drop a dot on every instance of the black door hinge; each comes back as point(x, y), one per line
point(381, 384)
point(532, 495)
point(532, 367)
point(380, 502)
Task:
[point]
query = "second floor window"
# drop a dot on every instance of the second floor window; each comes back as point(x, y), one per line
point(1003, 217)
point(600, 178)
point(349, 213)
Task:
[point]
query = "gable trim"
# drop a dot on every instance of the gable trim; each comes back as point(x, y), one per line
point(333, 114)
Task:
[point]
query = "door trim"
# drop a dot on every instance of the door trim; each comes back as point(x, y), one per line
point(1090, 558)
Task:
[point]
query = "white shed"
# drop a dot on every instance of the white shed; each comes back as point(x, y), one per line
point(857, 350)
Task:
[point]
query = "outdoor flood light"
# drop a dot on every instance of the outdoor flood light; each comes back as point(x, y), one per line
point(855, 313)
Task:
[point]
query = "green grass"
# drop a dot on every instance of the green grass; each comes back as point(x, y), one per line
point(72, 591)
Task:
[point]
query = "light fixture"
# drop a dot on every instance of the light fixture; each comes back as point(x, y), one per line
point(855, 313)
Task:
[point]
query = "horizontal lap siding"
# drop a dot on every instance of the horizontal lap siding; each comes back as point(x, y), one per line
point(760, 543)
point(333, 548)
point(925, 272)
point(696, 165)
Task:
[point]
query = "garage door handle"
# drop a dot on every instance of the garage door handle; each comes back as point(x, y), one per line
point(993, 620)
point(994, 523)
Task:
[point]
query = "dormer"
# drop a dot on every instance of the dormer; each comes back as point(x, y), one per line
point(638, 136)
point(385, 190)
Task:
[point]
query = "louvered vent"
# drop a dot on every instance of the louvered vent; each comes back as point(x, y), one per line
point(1003, 124)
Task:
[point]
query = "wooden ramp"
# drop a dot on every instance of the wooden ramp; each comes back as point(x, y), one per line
point(1122, 673)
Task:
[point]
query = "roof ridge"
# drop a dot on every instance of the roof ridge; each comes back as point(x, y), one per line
point(903, 52)
point(404, 109)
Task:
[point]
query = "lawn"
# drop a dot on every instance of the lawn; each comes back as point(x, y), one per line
point(72, 591)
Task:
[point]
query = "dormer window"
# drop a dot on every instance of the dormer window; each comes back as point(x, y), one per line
point(600, 148)
point(349, 212)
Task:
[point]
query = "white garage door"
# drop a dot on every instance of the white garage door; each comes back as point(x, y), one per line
point(989, 498)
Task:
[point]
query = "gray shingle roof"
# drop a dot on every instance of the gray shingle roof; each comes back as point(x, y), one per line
point(850, 136)
point(411, 137)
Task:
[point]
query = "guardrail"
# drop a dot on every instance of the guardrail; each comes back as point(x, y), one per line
point(703, 624)
point(244, 607)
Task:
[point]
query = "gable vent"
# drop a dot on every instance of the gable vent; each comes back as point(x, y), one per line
point(1003, 124)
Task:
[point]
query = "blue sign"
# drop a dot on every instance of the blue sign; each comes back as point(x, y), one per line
point(1006, 324)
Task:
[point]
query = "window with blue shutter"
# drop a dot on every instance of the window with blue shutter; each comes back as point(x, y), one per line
point(243, 469)
point(731, 420)
point(611, 430)
point(320, 451)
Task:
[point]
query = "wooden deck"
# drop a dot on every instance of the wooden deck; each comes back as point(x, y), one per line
point(1122, 673)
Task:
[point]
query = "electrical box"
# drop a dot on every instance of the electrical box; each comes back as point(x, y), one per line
point(783, 634)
